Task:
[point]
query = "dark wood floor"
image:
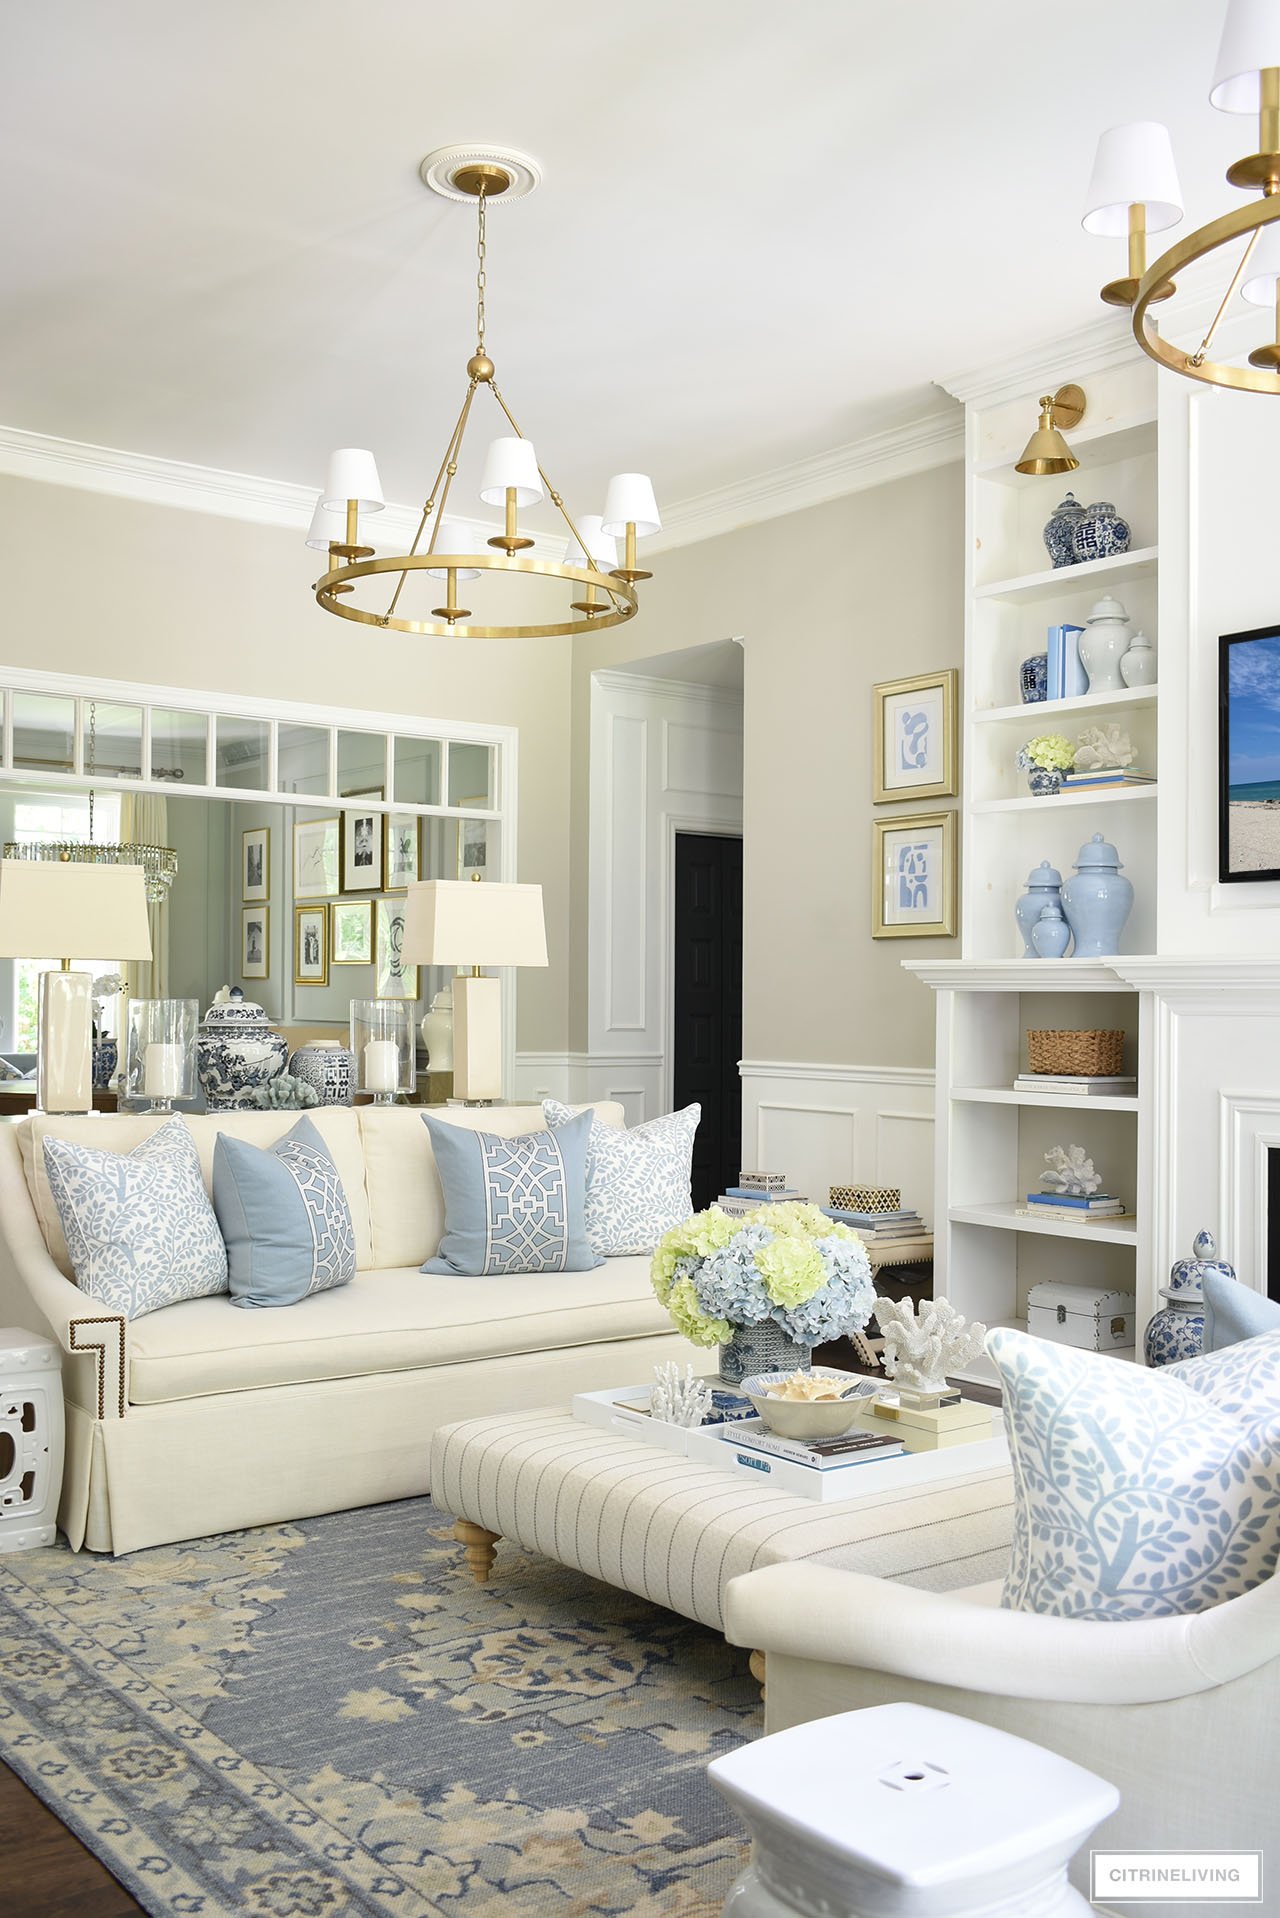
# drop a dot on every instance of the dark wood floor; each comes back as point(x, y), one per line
point(45, 1872)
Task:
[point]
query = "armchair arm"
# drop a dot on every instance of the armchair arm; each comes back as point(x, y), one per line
point(831, 1617)
point(35, 1294)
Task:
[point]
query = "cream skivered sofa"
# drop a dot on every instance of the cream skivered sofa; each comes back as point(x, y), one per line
point(204, 1417)
point(1179, 1713)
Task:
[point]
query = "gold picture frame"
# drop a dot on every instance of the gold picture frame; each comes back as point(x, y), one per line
point(311, 945)
point(255, 873)
point(315, 857)
point(255, 942)
point(343, 915)
point(913, 876)
point(362, 845)
point(401, 830)
point(915, 737)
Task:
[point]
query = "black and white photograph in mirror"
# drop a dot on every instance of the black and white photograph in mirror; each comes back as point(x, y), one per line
point(473, 846)
point(402, 851)
point(393, 978)
point(1249, 755)
point(255, 926)
point(362, 865)
point(310, 946)
point(255, 864)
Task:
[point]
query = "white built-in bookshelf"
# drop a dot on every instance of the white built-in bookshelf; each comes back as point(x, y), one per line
point(991, 1138)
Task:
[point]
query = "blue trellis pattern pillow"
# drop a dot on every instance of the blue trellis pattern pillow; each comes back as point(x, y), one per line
point(139, 1226)
point(1137, 1496)
point(512, 1205)
point(637, 1178)
point(284, 1216)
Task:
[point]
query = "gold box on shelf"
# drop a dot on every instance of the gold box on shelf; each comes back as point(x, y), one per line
point(865, 1198)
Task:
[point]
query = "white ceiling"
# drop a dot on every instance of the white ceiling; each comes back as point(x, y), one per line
point(763, 228)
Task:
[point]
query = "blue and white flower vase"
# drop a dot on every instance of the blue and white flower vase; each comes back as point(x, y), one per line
point(1051, 935)
point(1098, 900)
point(1033, 679)
point(106, 1057)
point(237, 1051)
point(1177, 1329)
point(760, 1348)
point(1044, 885)
point(1099, 533)
point(1044, 780)
point(1059, 529)
point(329, 1068)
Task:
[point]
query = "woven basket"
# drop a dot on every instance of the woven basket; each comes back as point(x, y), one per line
point(1089, 1054)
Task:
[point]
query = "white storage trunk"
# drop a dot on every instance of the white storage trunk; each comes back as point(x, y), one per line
point(1081, 1315)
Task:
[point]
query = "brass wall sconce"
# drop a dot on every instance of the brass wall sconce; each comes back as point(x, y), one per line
point(1046, 451)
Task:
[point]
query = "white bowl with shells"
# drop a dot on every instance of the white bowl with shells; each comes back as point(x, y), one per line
point(818, 1404)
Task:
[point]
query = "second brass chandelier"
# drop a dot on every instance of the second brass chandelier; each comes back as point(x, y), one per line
point(602, 589)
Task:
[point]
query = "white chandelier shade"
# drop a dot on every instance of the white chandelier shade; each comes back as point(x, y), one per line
point(326, 526)
point(353, 475)
point(511, 464)
point(1250, 44)
point(594, 543)
point(630, 501)
point(1134, 166)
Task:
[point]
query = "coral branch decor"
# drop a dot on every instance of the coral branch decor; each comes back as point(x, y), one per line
point(920, 1350)
point(767, 1288)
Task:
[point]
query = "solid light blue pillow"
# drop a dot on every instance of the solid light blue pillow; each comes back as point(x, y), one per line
point(284, 1217)
point(1233, 1312)
point(512, 1205)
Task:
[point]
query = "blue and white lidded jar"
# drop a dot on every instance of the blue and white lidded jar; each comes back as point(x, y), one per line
point(1059, 529)
point(1033, 679)
point(1099, 532)
point(1044, 885)
point(236, 1050)
point(329, 1068)
point(1177, 1329)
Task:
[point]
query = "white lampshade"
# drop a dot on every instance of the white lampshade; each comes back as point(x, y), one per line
point(353, 475)
point(326, 524)
point(510, 462)
point(51, 909)
point(630, 501)
point(1264, 269)
point(1250, 42)
point(1133, 167)
point(603, 550)
point(465, 922)
point(463, 572)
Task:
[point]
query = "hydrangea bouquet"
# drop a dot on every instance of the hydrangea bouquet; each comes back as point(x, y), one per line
point(786, 1266)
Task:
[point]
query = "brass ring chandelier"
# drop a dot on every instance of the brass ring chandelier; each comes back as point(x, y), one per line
point(603, 592)
point(1134, 191)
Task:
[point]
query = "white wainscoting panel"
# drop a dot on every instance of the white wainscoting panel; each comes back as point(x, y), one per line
point(827, 1125)
point(633, 1079)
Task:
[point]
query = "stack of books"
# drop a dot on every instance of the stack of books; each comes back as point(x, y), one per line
point(1062, 1205)
point(1103, 777)
point(878, 1227)
point(1066, 677)
point(857, 1447)
point(1107, 1085)
point(755, 1189)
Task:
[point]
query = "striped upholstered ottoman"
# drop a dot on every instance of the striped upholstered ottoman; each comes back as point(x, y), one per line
point(676, 1531)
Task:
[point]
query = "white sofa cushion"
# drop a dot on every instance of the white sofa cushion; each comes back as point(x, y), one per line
point(392, 1321)
point(338, 1126)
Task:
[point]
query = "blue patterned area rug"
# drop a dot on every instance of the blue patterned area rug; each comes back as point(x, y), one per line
point(331, 1718)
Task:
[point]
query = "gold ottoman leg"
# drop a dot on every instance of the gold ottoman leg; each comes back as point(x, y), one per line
point(755, 1664)
point(480, 1546)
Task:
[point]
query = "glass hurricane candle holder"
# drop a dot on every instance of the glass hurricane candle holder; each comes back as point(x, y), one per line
point(161, 1060)
point(382, 1038)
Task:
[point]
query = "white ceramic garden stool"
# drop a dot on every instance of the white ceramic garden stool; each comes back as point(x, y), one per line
point(903, 1812)
point(31, 1436)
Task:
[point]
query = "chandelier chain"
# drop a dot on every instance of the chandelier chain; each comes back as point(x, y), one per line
point(480, 272)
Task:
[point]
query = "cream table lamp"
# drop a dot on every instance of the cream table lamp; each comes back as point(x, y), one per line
point(469, 922)
point(65, 910)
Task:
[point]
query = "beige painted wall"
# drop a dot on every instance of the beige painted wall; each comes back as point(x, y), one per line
point(153, 593)
point(866, 588)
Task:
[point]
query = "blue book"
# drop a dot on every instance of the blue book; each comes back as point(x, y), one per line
point(1097, 1202)
point(1067, 678)
point(758, 1193)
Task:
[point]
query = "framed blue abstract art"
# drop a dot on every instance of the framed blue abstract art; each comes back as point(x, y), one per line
point(914, 737)
point(913, 877)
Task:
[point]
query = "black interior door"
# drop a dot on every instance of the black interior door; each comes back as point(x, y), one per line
point(708, 1003)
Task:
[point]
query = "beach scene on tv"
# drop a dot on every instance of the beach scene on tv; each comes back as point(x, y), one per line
point(1253, 764)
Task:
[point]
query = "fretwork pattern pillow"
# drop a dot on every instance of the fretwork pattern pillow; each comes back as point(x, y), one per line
point(637, 1179)
point(512, 1205)
point(139, 1226)
point(284, 1216)
point(1138, 1495)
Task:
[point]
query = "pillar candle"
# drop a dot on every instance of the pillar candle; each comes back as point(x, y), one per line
point(381, 1066)
point(162, 1071)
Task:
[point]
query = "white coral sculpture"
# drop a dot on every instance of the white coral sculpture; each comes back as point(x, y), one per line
point(919, 1352)
point(678, 1401)
point(1070, 1172)
point(1103, 746)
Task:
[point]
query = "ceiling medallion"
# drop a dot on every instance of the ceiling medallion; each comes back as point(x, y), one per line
point(1134, 191)
point(603, 592)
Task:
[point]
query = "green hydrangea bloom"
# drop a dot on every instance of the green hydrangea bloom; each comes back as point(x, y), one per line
point(688, 1317)
point(792, 1269)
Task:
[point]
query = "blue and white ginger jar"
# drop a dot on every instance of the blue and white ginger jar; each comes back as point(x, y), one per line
point(106, 1057)
point(1059, 529)
point(1099, 532)
point(329, 1068)
point(760, 1348)
point(1177, 1329)
point(237, 1051)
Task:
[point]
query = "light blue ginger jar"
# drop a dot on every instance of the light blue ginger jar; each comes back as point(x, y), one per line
point(329, 1068)
point(1098, 533)
point(1098, 900)
point(1044, 886)
point(1177, 1329)
point(1051, 935)
point(760, 1348)
point(1059, 529)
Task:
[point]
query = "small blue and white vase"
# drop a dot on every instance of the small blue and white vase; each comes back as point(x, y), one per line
point(1177, 1329)
point(1059, 529)
point(760, 1348)
point(1098, 900)
point(329, 1068)
point(1099, 533)
point(1033, 679)
point(1051, 935)
point(1044, 780)
point(106, 1057)
point(1044, 886)
point(237, 1051)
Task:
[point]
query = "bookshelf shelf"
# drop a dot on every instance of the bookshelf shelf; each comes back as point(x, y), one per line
point(1060, 802)
point(1138, 698)
point(1052, 582)
point(1007, 1218)
point(1067, 1101)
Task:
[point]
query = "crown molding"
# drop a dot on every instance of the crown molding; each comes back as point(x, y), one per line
point(1091, 348)
point(894, 453)
point(653, 685)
